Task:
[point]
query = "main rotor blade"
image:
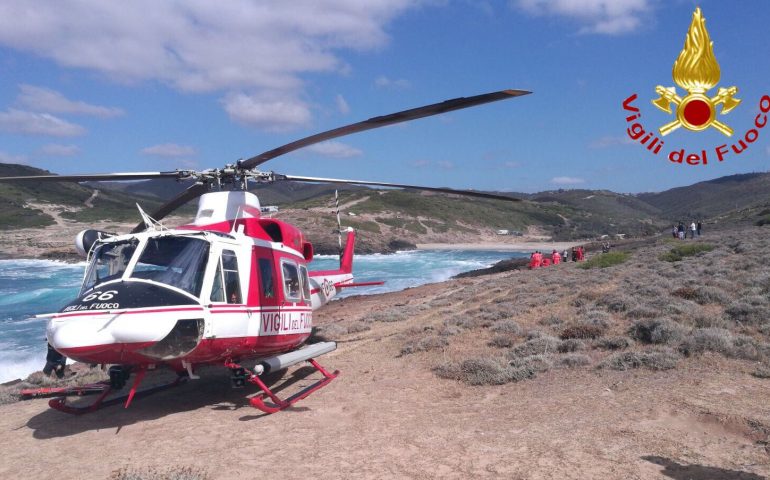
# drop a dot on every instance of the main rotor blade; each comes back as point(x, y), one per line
point(195, 190)
point(97, 177)
point(469, 193)
point(382, 121)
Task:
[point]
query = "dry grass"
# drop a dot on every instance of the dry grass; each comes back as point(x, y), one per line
point(644, 313)
point(169, 473)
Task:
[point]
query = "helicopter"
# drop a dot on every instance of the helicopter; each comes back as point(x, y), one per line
point(229, 287)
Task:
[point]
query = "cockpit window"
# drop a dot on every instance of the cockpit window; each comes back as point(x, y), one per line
point(176, 261)
point(108, 262)
point(305, 283)
point(290, 281)
point(232, 280)
point(227, 268)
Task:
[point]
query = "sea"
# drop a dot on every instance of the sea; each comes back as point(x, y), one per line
point(34, 287)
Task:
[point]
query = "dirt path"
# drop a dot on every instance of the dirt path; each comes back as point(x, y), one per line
point(90, 202)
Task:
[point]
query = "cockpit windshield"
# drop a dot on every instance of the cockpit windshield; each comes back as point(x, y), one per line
point(108, 262)
point(176, 261)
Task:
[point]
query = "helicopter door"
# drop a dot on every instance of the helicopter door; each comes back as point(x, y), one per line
point(268, 296)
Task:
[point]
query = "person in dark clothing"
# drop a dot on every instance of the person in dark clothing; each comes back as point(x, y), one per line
point(54, 362)
point(699, 227)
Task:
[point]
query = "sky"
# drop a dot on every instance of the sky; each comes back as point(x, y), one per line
point(95, 87)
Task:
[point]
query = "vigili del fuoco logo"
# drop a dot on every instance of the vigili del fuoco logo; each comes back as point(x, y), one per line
point(696, 70)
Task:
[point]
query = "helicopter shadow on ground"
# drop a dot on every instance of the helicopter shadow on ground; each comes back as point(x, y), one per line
point(679, 471)
point(213, 391)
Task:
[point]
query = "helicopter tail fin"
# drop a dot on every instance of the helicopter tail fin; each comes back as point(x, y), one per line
point(346, 259)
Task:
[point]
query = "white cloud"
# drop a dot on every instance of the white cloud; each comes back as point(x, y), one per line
point(19, 121)
point(260, 48)
point(392, 84)
point(56, 150)
point(445, 165)
point(342, 105)
point(567, 180)
point(608, 17)
point(335, 150)
point(610, 141)
point(9, 158)
point(41, 99)
point(511, 164)
point(271, 113)
point(169, 150)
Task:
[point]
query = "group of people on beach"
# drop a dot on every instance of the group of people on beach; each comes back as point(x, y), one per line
point(537, 259)
point(680, 230)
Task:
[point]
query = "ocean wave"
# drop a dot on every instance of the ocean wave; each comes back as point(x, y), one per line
point(12, 368)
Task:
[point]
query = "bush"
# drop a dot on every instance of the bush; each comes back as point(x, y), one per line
point(705, 295)
point(582, 330)
point(605, 260)
point(702, 340)
point(389, 315)
point(657, 330)
point(542, 345)
point(571, 345)
point(617, 302)
point(506, 326)
point(613, 343)
point(358, 328)
point(745, 313)
point(642, 312)
point(431, 342)
point(654, 360)
point(533, 363)
point(170, 473)
point(573, 360)
point(501, 341)
point(679, 252)
point(483, 371)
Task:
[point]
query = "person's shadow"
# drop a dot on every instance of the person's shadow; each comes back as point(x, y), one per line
point(699, 472)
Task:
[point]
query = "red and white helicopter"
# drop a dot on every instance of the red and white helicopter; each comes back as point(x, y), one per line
point(227, 288)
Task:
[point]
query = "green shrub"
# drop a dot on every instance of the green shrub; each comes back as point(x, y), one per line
point(605, 260)
point(679, 252)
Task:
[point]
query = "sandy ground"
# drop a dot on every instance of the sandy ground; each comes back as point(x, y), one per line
point(388, 416)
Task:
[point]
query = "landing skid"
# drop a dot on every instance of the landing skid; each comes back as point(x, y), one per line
point(279, 404)
point(103, 389)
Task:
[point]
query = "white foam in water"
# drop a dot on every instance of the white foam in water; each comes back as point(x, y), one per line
point(13, 368)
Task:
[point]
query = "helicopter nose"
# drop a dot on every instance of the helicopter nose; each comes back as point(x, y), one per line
point(73, 336)
point(92, 337)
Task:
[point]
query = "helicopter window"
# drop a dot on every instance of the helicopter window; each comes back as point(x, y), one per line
point(176, 261)
point(232, 280)
point(217, 292)
point(108, 262)
point(305, 282)
point(266, 275)
point(290, 280)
